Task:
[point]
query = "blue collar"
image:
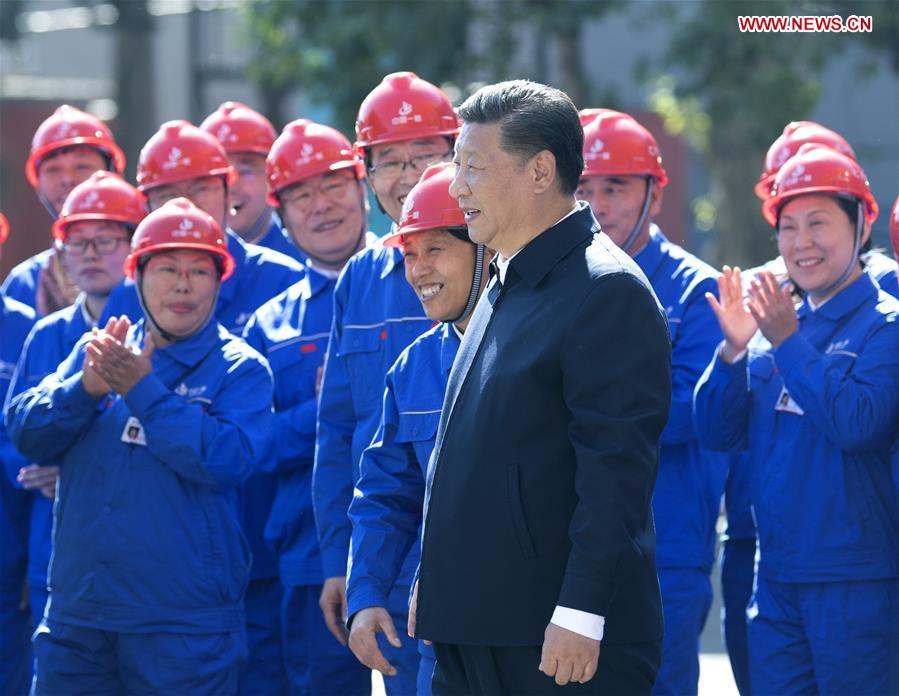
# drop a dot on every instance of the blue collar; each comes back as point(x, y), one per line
point(651, 256)
point(188, 352)
point(845, 301)
point(316, 281)
point(449, 346)
point(394, 258)
point(539, 256)
point(238, 249)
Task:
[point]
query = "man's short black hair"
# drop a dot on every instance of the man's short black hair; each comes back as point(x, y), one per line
point(534, 117)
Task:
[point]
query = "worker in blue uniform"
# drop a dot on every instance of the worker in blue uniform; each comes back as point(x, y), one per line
point(813, 400)
point(94, 229)
point(447, 272)
point(623, 182)
point(247, 137)
point(403, 125)
point(180, 410)
point(66, 149)
point(16, 320)
point(738, 542)
point(183, 160)
point(321, 198)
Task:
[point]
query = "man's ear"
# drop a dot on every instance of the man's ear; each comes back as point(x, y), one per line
point(658, 195)
point(543, 171)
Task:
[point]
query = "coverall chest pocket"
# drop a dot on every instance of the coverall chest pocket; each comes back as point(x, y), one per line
point(419, 429)
point(294, 367)
point(361, 349)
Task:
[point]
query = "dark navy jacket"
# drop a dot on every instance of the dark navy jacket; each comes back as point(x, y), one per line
point(376, 315)
point(145, 537)
point(548, 449)
point(291, 331)
point(816, 418)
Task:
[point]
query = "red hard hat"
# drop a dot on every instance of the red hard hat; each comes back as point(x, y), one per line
point(616, 145)
point(305, 149)
point(4, 228)
point(240, 129)
point(819, 169)
point(894, 227)
point(104, 196)
point(795, 135)
point(587, 115)
point(178, 224)
point(429, 205)
point(179, 151)
point(404, 107)
point(70, 127)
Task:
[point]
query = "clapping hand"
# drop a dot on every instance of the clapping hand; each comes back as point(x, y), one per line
point(110, 365)
point(772, 308)
point(738, 324)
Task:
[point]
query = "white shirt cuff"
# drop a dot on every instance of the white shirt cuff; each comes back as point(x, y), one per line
point(581, 622)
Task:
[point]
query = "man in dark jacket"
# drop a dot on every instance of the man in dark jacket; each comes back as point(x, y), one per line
point(539, 541)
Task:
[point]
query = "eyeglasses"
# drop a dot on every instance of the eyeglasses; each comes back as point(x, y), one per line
point(392, 169)
point(195, 191)
point(302, 196)
point(102, 245)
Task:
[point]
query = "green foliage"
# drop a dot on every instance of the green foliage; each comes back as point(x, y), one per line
point(338, 51)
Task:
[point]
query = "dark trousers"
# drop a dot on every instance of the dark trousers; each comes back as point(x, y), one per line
point(474, 670)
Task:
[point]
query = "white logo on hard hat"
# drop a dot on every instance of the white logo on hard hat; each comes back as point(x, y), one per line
point(225, 133)
point(796, 175)
point(65, 128)
point(186, 229)
point(782, 156)
point(176, 159)
point(405, 115)
point(308, 153)
point(90, 201)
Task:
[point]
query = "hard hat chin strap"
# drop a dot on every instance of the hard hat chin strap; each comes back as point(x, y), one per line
point(641, 221)
point(476, 283)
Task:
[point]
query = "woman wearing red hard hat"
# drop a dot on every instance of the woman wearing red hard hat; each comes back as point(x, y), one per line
point(448, 272)
point(813, 400)
point(153, 426)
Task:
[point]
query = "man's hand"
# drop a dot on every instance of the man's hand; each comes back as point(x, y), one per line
point(39, 478)
point(568, 656)
point(333, 605)
point(363, 638)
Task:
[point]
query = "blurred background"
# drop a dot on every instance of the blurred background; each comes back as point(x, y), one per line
point(715, 98)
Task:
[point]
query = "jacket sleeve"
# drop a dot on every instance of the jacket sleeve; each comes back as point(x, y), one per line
point(385, 512)
point(217, 448)
point(617, 387)
point(332, 477)
point(721, 405)
point(47, 419)
point(693, 347)
point(853, 403)
point(293, 440)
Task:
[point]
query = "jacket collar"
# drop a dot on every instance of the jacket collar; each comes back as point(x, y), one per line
point(449, 346)
point(650, 257)
point(238, 250)
point(316, 282)
point(845, 301)
point(393, 257)
point(188, 352)
point(539, 256)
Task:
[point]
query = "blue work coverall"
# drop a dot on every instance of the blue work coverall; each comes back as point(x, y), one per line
point(150, 564)
point(21, 283)
point(259, 275)
point(688, 490)
point(16, 320)
point(376, 315)
point(292, 331)
point(386, 511)
point(816, 417)
point(737, 562)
